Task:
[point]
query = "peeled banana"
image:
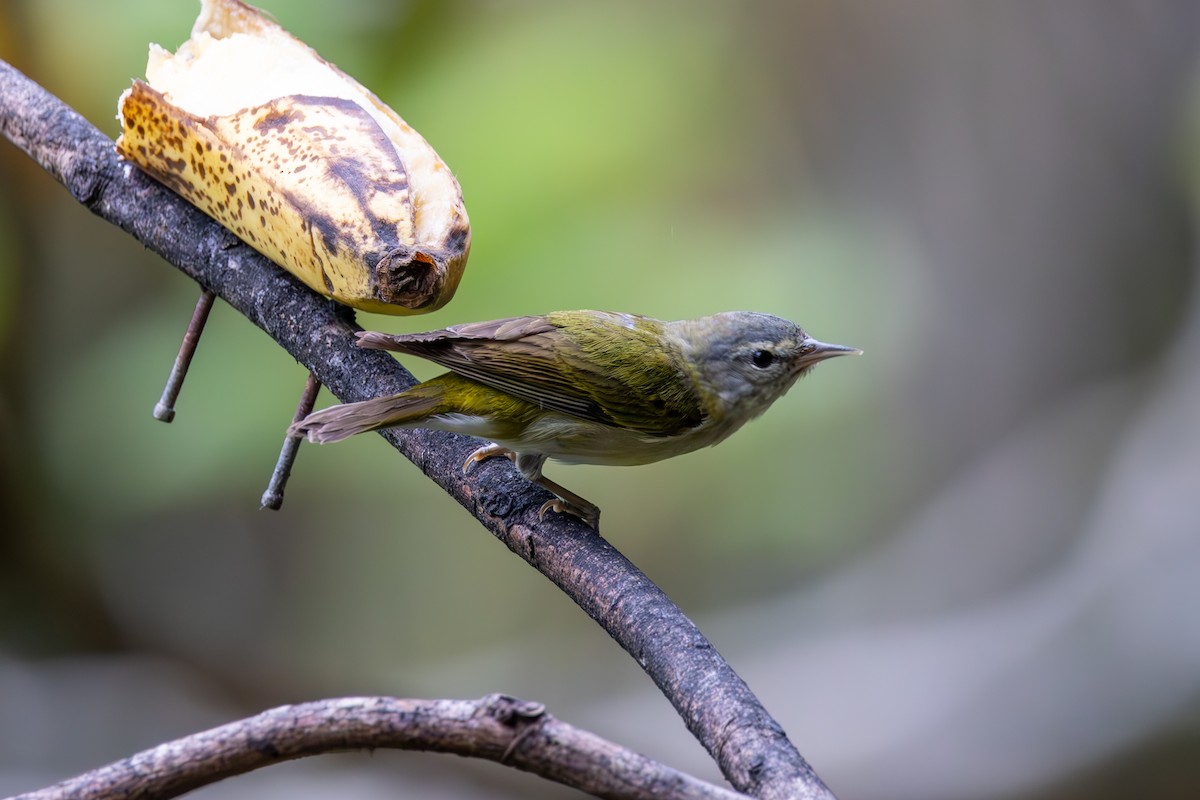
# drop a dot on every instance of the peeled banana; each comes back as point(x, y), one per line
point(300, 161)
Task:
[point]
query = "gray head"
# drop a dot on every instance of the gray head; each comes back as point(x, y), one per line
point(749, 360)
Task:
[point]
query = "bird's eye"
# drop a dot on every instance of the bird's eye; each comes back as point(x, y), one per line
point(762, 358)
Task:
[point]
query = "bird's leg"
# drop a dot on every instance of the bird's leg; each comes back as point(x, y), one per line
point(530, 465)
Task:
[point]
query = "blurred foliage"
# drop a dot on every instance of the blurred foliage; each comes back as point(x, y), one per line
point(986, 198)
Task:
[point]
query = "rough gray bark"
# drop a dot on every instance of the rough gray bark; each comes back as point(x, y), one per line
point(498, 728)
point(750, 747)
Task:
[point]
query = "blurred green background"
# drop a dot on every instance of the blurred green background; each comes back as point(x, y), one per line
point(962, 566)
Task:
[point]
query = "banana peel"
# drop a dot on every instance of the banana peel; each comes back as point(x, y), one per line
point(300, 161)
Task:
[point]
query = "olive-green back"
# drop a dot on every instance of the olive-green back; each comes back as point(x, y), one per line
point(617, 369)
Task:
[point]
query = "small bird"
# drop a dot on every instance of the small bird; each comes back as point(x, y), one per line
point(587, 387)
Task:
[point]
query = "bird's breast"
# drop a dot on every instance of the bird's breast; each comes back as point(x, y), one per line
point(575, 441)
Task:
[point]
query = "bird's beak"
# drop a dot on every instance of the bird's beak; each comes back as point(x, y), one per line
point(814, 352)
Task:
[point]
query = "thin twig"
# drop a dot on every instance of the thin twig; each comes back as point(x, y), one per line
point(750, 747)
point(164, 409)
point(497, 728)
point(272, 498)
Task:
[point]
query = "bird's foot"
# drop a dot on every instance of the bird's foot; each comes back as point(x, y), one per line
point(565, 501)
point(589, 513)
point(491, 450)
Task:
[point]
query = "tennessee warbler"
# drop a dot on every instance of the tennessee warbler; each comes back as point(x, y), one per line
point(587, 387)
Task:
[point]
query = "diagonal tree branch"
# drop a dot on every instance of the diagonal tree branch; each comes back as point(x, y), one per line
point(750, 747)
point(497, 728)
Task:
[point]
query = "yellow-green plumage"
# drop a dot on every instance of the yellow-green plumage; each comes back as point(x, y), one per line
point(588, 387)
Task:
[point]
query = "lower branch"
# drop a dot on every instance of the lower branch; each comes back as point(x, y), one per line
point(497, 727)
point(750, 747)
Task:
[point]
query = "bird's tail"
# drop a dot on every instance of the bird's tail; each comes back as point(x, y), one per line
point(341, 422)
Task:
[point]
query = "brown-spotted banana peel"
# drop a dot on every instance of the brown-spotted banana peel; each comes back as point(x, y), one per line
point(285, 150)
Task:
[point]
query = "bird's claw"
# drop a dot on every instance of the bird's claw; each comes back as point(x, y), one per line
point(576, 506)
point(590, 516)
point(486, 452)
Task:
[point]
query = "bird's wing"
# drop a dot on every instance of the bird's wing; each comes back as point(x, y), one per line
point(608, 368)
